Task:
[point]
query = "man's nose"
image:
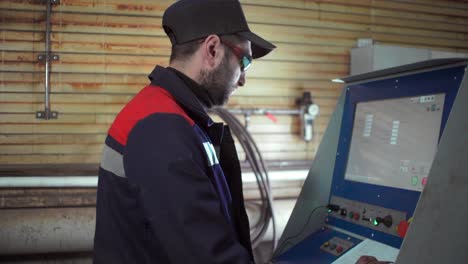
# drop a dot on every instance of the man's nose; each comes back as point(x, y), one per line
point(241, 81)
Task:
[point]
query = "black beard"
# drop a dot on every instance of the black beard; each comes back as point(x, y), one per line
point(217, 83)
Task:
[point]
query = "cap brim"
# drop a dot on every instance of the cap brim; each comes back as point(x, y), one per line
point(260, 47)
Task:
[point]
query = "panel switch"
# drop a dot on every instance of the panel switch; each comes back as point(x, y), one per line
point(343, 212)
point(356, 216)
point(339, 249)
point(387, 220)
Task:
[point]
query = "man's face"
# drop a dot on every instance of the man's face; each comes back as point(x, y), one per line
point(224, 80)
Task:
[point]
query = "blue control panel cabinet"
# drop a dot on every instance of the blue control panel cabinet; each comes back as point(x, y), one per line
point(384, 155)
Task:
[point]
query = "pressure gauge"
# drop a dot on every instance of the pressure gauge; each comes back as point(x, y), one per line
point(313, 110)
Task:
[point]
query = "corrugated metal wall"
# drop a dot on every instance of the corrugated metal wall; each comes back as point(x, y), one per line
point(107, 48)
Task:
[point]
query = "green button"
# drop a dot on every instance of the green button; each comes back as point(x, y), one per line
point(414, 180)
point(351, 215)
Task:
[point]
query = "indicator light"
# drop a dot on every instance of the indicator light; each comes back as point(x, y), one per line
point(414, 180)
point(333, 207)
point(387, 221)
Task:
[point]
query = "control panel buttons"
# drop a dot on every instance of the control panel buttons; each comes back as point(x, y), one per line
point(339, 249)
point(343, 212)
point(424, 181)
point(376, 222)
point(402, 227)
point(356, 216)
point(387, 221)
point(367, 215)
point(336, 246)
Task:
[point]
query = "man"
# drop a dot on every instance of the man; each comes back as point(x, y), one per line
point(170, 188)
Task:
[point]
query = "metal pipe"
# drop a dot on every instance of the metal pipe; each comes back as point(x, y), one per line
point(61, 230)
point(47, 60)
point(247, 112)
point(48, 182)
point(91, 181)
point(262, 111)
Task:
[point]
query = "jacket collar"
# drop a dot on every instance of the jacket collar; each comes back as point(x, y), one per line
point(172, 83)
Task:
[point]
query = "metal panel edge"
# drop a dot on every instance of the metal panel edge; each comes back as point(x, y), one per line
point(438, 232)
point(316, 189)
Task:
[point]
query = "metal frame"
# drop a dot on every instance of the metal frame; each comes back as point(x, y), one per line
point(47, 58)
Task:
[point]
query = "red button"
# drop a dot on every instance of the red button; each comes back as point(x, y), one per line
point(402, 228)
point(339, 249)
point(356, 216)
point(424, 181)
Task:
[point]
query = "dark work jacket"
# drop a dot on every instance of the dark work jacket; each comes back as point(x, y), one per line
point(170, 188)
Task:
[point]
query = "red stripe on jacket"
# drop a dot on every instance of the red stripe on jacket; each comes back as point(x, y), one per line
point(149, 100)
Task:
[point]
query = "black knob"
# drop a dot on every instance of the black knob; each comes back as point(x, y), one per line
point(387, 220)
point(343, 212)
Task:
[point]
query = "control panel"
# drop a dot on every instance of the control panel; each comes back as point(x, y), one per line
point(367, 215)
point(379, 148)
point(336, 246)
point(326, 245)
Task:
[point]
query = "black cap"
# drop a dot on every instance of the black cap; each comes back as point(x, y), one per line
point(188, 20)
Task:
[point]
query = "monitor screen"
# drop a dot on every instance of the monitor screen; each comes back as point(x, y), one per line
point(394, 141)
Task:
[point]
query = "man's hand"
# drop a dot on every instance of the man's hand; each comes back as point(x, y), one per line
point(370, 260)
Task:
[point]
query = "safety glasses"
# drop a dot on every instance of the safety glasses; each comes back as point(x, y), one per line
point(245, 58)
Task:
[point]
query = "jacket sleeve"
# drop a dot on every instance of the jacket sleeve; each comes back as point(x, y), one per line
point(165, 159)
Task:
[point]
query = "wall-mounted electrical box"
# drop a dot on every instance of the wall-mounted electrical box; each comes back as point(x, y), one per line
point(375, 57)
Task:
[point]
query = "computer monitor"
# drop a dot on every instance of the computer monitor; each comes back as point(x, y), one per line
point(394, 141)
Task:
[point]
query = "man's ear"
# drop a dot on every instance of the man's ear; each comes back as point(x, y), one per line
point(213, 52)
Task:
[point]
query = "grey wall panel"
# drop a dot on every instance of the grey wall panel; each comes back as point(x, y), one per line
point(439, 233)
